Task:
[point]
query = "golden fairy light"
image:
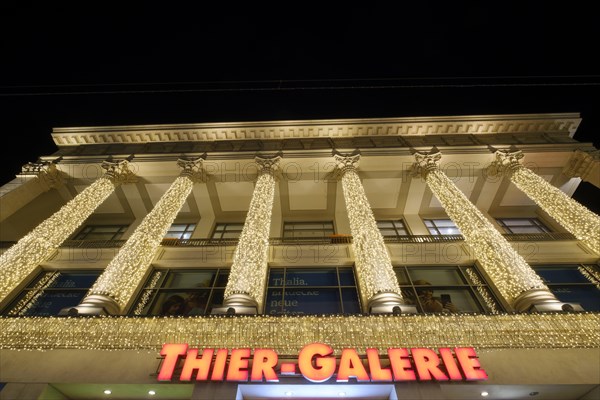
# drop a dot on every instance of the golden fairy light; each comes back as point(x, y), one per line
point(508, 270)
point(574, 217)
point(22, 259)
point(249, 268)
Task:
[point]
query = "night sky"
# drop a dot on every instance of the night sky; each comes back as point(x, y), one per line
point(62, 66)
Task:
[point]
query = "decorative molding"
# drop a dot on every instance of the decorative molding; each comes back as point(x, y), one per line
point(346, 128)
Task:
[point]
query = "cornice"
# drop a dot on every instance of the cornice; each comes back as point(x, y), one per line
point(566, 123)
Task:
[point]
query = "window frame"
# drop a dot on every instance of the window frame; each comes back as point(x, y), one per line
point(150, 292)
point(476, 285)
point(592, 275)
point(327, 233)
point(89, 230)
point(216, 231)
point(181, 233)
point(339, 287)
point(535, 223)
point(39, 285)
point(437, 228)
point(394, 227)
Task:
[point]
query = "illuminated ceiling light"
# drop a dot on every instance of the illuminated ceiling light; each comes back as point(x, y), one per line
point(342, 394)
point(107, 391)
point(484, 394)
point(151, 392)
point(289, 393)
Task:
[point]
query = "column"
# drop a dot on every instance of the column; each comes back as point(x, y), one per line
point(246, 285)
point(115, 287)
point(575, 218)
point(584, 165)
point(23, 258)
point(515, 279)
point(375, 273)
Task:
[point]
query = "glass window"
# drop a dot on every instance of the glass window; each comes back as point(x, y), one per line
point(573, 283)
point(453, 289)
point(441, 227)
point(391, 228)
point(301, 291)
point(182, 292)
point(307, 229)
point(522, 225)
point(101, 232)
point(180, 231)
point(51, 291)
point(227, 231)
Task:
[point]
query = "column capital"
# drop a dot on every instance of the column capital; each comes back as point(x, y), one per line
point(584, 165)
point(192, 168)
point(345, 163)
point(46, 171)
point(426, 162)
point(267, 165)
point(506, 161)
point(118, 172)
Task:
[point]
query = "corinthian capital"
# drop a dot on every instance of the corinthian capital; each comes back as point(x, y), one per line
point(192, 168)
point(345, 163)
point(118, 172)
point(506, 161)
point(47, 172)
point(426, 162)
point(267, 165)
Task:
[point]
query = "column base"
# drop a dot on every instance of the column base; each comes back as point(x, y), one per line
point(542, 300)
point(389, 303)
point(95, 304)
point(237, 304)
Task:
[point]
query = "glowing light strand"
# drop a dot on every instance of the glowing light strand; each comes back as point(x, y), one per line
point(124, 273)
point(374, 267)
point(574, 217)
point(288, 334)
point(249, 268)
point(37, 246)
point(509, 271)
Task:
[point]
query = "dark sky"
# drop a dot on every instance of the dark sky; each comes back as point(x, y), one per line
point(63, 66)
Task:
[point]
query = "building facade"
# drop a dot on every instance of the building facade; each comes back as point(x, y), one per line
point(415, 258)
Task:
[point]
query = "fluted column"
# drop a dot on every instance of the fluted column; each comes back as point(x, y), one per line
point(374, 269)
point(247, 278)
point(38, 245)
point(575, 218)
point(114, 288)
point(515, 279)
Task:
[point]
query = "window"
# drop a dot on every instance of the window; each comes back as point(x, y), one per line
point(228, 231)
point(307, 229)
point(441, 227)
point(182, 292)
point(180, 231)
point(573, 283)
point(454, 289)
point(101, 232)
point(392, 228)
point(299, 291)
point(51, 291)
point(522, 225)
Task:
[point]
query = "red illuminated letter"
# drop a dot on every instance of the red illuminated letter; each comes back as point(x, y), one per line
point(324, 366)
point(401, 365)
point(192, 362)
point(171, 352)
point(264, 363)
point(426, 363)
point(450, 363)
point(219, 365)
point(238, 365)
point(378, 374)
point(470, 364)
point(351, 366)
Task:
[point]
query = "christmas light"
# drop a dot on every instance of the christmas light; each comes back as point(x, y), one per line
point(507, 269)
point(125, 272)
point(374, 269)
point(248, 272)
point(22, 259)
point(288, 334)
point(575, 218)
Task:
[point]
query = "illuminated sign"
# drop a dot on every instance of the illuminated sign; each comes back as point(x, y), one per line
point(317, 363)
